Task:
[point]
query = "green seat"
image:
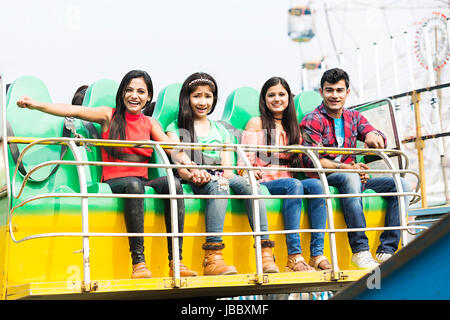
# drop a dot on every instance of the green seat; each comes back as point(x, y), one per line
point(305, 102)
point(165, 112)
point(167, 105)
point(45, 126)
point(49, 126)
point(100, 93)
point(241, 105)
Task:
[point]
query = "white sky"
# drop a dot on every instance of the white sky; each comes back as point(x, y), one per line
point(239, 42)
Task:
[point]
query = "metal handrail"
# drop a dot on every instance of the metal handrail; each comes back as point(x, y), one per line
point(256, 221)
point(173, 217)
point(173, 196)
point(117, 143)
point(196, 146)
point(173, 166)
point(409, 93)
point(401, 204)
point(395, 129)
point(330, 217)
point(205, 234)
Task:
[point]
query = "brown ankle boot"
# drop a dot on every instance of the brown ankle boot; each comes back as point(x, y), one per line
point(184, 271)
point(268, 261)
point(140, 271)
point(214, 264)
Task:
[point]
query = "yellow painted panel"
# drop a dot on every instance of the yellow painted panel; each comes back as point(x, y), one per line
point(60, 259)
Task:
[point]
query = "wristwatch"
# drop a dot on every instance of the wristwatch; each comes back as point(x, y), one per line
point(376, 132)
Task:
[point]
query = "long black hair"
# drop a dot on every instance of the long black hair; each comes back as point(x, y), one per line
point(289, 121)
point(185, 114)
point(117, 128)
point(78, 96)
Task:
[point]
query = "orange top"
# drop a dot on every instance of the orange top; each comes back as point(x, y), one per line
point(138, 128)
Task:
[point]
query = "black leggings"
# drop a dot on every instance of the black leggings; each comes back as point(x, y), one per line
point(134, 210)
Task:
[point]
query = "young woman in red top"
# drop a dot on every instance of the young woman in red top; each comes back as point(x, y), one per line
point(126, 122)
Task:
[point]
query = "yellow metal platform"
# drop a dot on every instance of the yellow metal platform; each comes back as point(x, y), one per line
point(202, 286)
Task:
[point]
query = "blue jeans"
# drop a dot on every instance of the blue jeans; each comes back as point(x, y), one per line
point(353, 209)
point(216, 208)
point(292, 209)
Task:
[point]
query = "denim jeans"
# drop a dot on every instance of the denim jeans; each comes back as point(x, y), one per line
point(353, 209)
point(216, 208)
point(134, 210)
point(292, 211)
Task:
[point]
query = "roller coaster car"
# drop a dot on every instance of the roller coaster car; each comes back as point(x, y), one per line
point(53, 266)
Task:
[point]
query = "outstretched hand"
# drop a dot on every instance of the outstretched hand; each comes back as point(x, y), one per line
point(25, 102)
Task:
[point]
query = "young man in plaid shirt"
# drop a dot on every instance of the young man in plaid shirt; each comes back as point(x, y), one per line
point(332, 125)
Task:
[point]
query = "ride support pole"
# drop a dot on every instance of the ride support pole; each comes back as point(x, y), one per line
point(420, 146)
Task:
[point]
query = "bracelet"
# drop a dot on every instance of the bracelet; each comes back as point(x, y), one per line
point(339, 165)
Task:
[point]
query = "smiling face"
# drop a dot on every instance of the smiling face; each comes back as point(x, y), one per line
point(201, 101)
point(277, 100)
point(334, 96)
point(136, 95)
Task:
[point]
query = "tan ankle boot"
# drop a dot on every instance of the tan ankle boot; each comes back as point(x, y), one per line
point(140, 271)
point(184, 271)
point(268, 261)
point(214, 264)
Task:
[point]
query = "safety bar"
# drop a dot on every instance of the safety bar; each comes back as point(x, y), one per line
point(97, 163)
point(394, 122)
point(205, 234)
point(226, 147)
point(158, 146)
point(419, 138)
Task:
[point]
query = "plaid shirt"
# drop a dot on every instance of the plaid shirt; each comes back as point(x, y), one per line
point(317, 130)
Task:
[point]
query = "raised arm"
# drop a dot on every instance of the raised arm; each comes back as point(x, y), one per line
point(99, 115)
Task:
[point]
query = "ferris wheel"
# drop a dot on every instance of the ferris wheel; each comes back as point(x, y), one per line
point(434, 27)
point(329, 29)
